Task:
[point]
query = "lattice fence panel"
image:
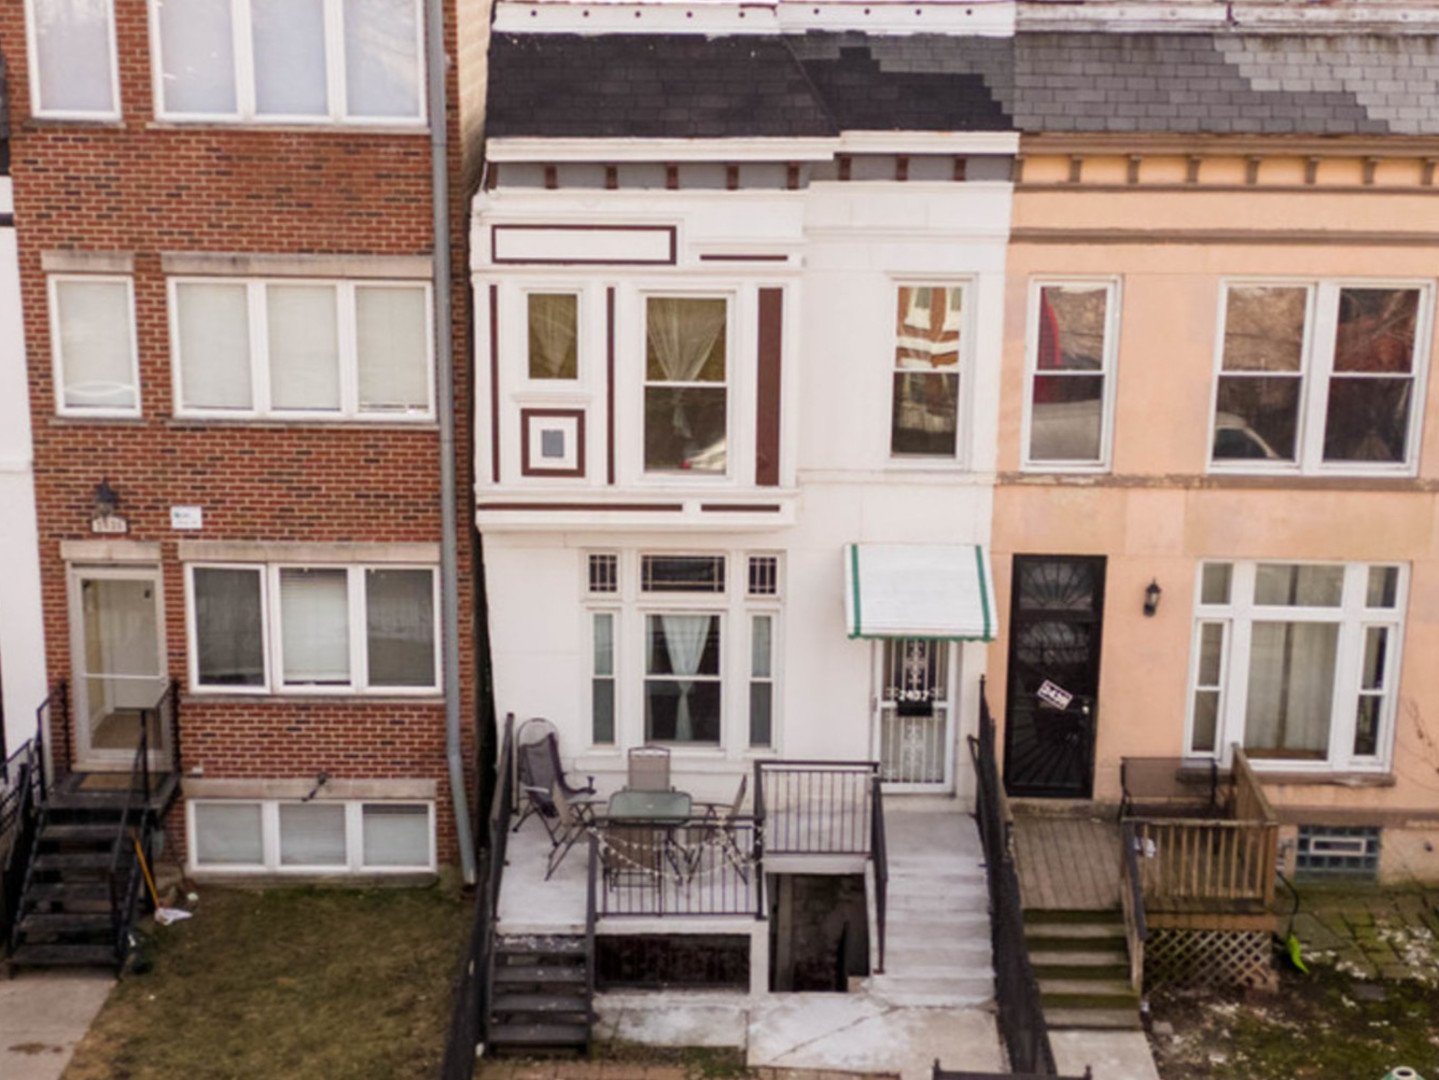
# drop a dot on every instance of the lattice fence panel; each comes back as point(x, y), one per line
point(1208, 958)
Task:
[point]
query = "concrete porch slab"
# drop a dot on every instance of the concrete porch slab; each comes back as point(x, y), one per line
point(43, 1017)
point(674, 1019)
point(1114, 1055)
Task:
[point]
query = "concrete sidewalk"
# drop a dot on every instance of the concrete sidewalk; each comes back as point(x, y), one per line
point(1113, 1055)
point(43, 1016)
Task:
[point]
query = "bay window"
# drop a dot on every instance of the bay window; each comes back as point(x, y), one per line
point(72, 59)
point(1296, 662)
point(302, 349)
point(686, 398)
point(301, 629)
point(357, 61)
point(928, 352)
point(1320, 376)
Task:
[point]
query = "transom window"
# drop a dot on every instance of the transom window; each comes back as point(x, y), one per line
point(1297, 662)
point(72, 58)
point(928, 352)
point(682, 573)
point(289, 60)
point(1071, 382)
point(686, 393)
point(302, 349)
point(92, 334)
point(1320, 376)
point(324, 629)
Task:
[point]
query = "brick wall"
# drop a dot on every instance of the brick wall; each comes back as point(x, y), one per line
point(143, 187)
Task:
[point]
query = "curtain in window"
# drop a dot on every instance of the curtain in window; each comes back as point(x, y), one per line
point(392, 349)
point(197, 48)
point(229, 636)
point(214, 329)
point(315, 626)
point(304, 347)
point(382, 63)
point(1291, 689)
point(682, 334)
point(554, 329)
point(400, 627)
point(289, 38)
point(685, 637)
point(72, 46)
point(94, 318)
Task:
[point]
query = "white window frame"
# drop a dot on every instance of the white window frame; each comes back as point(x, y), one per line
point(347, 314)
point(1352, 617)
point(272, 632)
point(32, 47)
point(270, 839)
point(1112, 287)
point(53, 283)
point(556, 390)
point(242, 46)
point(731, 385)
point(631, 608)
point(1316, 373)
point(969, 293)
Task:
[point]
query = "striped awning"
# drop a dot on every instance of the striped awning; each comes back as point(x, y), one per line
point(918, 590)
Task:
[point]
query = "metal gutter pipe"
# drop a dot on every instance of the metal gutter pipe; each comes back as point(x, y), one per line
point(437, 68)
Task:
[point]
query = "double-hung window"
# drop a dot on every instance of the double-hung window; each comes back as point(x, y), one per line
point(686, 384)
point(1071, 374)
point(1297, 662)
point(289, 61)
point(92, 333)
point(1320, 376)
point(307, 629)
point(302, 349)
point(928, 360)
point(72, 59)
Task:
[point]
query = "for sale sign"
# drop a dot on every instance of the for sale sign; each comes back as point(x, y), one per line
point(1054, 696)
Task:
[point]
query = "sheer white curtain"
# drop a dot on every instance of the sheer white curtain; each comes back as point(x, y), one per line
point(681, 334)
point(685, 637)
point(289, 50)
point(553, 331)
point(1291, 688)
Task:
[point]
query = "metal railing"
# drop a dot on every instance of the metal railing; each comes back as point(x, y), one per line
point(702, 866)
point(133, 835)
point(22, 786)
point(879, 849)
point(474, 988)
point(53, 716)
point(1131, 899)
point(1021, 1016)
point(817, 807)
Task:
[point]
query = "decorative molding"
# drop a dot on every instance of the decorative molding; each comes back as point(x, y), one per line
point(568, 425)
point(335, 788)
point(1251, 237)
point(217, 264)
point(610, 385)
point(110, 551)
point(669, 258)
point(495, 383)
point(87, 262)
point(605, 151)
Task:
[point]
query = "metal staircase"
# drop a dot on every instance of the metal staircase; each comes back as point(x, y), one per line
point(542, 997)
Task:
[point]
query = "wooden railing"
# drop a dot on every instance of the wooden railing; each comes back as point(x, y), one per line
point(1199, 863)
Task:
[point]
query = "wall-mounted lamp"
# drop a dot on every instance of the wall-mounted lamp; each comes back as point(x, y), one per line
point(105, 499)
point(1152, 593)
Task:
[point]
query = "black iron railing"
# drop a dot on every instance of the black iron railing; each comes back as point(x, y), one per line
point(473, 991)
point(22, 786)
point(1021, 1017)
point(879, 849)
point(133, 836)
point(817, 807)
point(53, 716)
point(702, 866)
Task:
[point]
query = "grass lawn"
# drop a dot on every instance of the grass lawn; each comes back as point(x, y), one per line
point(289, 984)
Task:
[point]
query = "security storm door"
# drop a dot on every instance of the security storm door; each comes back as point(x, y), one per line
point(117, 656)
point(1056, 614)
point(914, 728)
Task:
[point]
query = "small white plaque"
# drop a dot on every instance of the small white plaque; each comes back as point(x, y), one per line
point(187, 517)
point(109, 525)
point(1053, 695)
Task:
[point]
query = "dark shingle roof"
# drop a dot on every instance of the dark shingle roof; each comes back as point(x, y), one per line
point(686, 86)
point(815, 84)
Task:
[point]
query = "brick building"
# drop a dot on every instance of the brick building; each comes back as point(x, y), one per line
point(235, 326)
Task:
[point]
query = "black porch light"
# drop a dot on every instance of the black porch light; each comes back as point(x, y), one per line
point(1152, 593)
point(105, 499)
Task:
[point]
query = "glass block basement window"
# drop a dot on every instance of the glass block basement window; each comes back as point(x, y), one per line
point(1327, 852)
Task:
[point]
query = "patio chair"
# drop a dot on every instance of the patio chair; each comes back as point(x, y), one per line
point(538, 772)
point(649, 768)
point(570, 822)
point(631, 852)
point(718, 833)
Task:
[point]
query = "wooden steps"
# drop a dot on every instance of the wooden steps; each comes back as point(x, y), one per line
point(1081, 960)
point(541, 1003)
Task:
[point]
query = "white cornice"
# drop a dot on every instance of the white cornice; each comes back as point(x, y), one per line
point(980, 18)
point(527, 149)
point(1240, 16)
point(929, 142)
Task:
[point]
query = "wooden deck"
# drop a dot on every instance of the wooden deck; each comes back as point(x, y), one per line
point(1067, 863)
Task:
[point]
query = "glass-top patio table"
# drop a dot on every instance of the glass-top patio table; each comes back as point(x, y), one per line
point(657, 807)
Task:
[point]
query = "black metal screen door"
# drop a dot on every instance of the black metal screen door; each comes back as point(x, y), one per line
point(1056, 612)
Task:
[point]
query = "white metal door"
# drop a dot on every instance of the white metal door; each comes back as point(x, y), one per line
point(914, 717)
point(117, 657)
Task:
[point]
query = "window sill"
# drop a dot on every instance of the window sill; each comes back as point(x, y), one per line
point(387, 423)
point(39, 121)
point(200, 698)
point(76, 419)
point(320, 125)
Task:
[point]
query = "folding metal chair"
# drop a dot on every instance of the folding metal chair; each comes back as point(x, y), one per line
point(649, 768)
point(538, 771)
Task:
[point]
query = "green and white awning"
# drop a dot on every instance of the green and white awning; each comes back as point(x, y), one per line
point(942, 591)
